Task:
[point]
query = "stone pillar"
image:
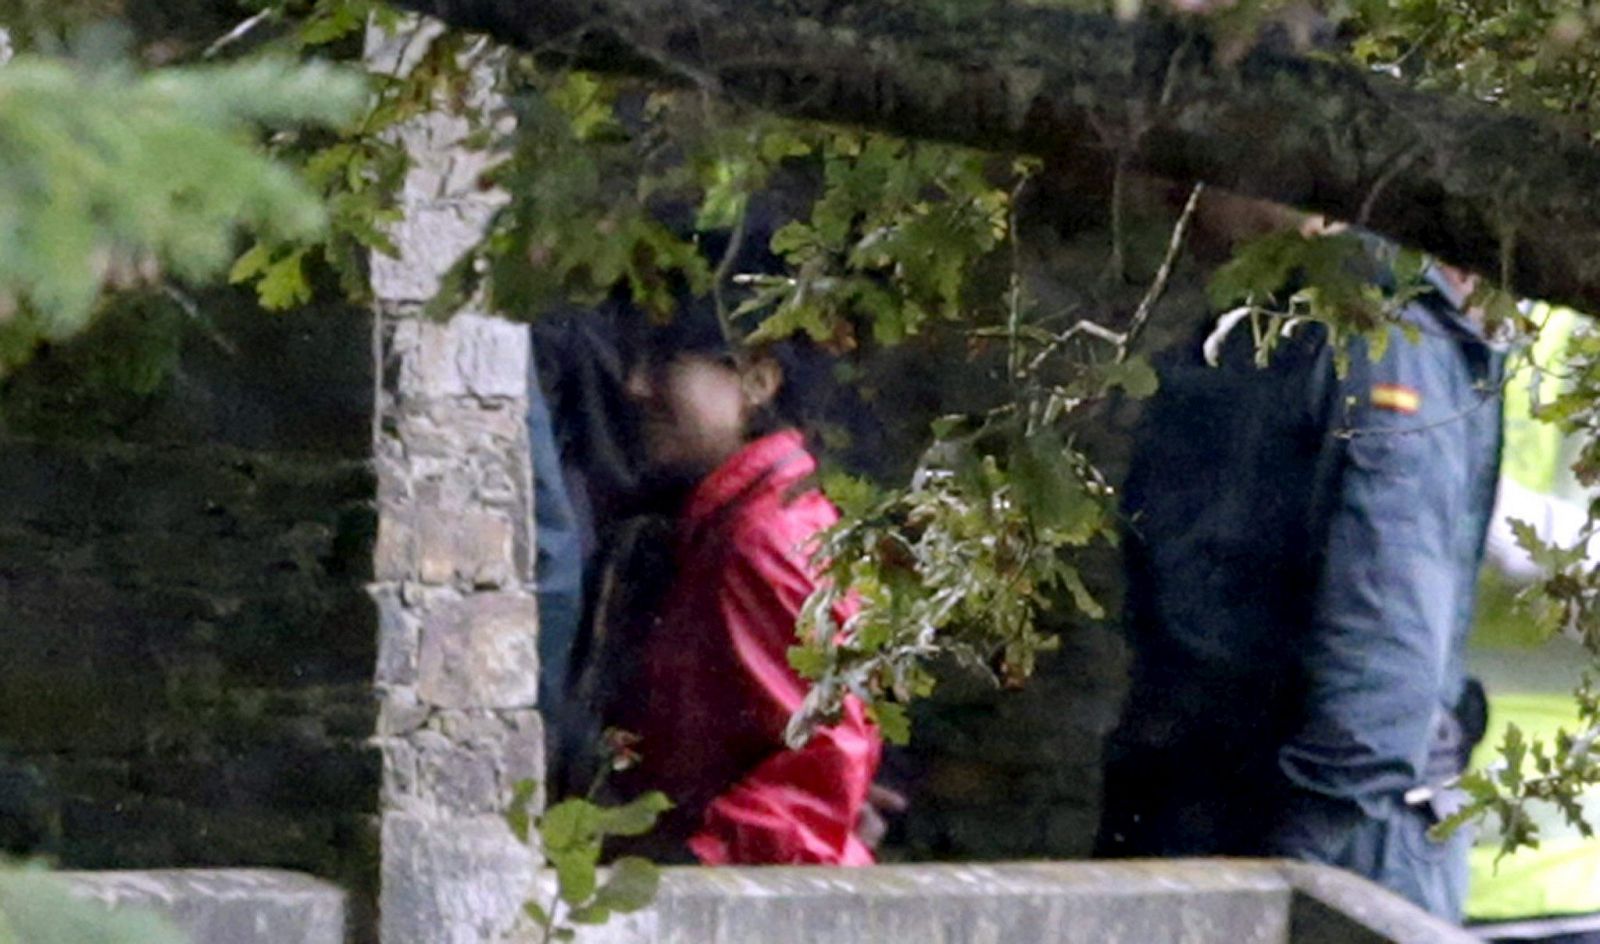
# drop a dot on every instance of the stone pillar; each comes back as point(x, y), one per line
point(457, 664)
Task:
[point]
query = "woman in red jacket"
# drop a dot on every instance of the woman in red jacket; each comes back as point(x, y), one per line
point(716, 688)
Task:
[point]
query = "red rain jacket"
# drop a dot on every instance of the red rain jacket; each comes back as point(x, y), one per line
point(718, 686)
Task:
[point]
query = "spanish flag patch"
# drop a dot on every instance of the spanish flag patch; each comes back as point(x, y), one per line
point(1396, 397)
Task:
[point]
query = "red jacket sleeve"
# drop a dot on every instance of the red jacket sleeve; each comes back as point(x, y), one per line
point(796, 806)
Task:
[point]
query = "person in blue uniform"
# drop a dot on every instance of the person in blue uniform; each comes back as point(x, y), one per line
point(1303, 551)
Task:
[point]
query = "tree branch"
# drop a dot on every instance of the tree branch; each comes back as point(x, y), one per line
point(1158, 285)
point(1307, 133)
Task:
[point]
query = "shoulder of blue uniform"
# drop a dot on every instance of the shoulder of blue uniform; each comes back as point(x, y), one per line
point(1442, 294)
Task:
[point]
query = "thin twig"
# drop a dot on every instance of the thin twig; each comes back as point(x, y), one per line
point(1118, 265)
point(1395, 168)
point(1508, 255)
point(1014, 294)
point(1393, 68)
point(1169, 83)
point(1141, 315)
point(724, 267)
point(694, 75)
point(189, 308)
point(1084, 326)
point(237, 33)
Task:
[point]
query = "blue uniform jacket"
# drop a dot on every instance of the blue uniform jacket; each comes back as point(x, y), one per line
point(1303, 555)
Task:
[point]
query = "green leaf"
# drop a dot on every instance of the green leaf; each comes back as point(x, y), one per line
point(632, 885)
point(577, 870)
point(252, 263)
point(808, 661)
point(1080, 593)
point(1050, 491)
point(589, 914)
point(892, 720)
point(333, 25)
point(518, 816)
point(780, 144)
point(536, 912)
point(520, 821)
point(853, 495)
point(793, 238)
point(1135, 376)
point(569, 824)
point(283, 283)
point(635, 818)
point(944, 427)
point(1408, 266)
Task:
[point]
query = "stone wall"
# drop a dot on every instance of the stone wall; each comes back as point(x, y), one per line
point(999, 775)
point(458, 658)
point(185, 649)
point(206, 906)
point(1183, 901)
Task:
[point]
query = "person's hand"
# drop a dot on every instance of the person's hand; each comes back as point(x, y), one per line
point(873, 823)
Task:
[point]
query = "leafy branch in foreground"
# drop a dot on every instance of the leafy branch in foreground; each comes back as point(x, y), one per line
point(1281, 282)
point(111, 179)
point(1559, 771)
point(571, 835)
point(959, 565)
point(1562, 771)
point(38, 908)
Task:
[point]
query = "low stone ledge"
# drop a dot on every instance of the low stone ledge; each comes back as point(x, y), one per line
point(225, 906)
point(1132, 902)
point(1332, 906)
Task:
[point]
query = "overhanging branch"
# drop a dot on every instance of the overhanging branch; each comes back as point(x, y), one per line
point(1456, 177)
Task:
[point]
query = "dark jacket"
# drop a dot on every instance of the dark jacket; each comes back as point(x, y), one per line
point(1302, 562)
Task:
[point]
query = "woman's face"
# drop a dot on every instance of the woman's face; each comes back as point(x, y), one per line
point(696, 408)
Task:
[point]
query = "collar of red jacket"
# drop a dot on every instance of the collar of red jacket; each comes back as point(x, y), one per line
point(773, 463)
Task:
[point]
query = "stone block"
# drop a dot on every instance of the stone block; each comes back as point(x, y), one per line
point(224, 906)
point(400, 712)
point(474, 476)
point(1178, 901)
point(453, 429)
point(463, 763)
point(470, 355)
point(455, 778)
point(399, 790)
point(396, 52)
point(471, 547)
point(452, 880)
point(395, 551)
point(438, 175)
point(450, 455)
point(1332, 906)
point(513, 740)
point(398, 628)
point(480, 651)
point(430, 239)
point(391, 465)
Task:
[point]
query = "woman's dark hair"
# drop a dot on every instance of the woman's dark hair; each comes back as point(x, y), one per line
point(809, 397)
point(695, 328)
